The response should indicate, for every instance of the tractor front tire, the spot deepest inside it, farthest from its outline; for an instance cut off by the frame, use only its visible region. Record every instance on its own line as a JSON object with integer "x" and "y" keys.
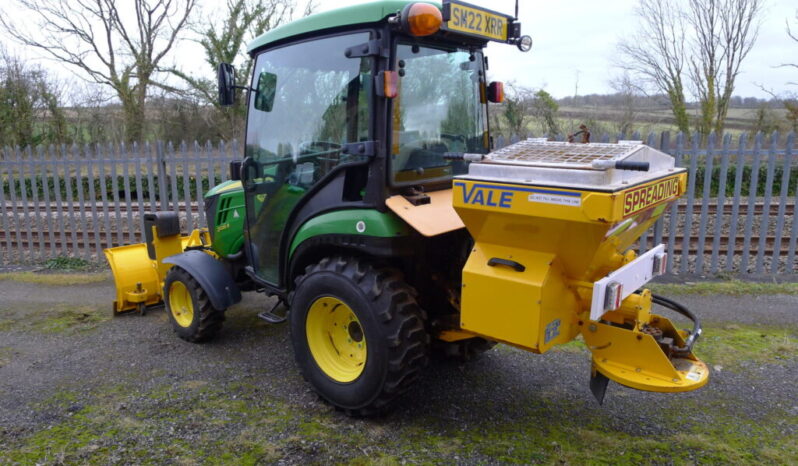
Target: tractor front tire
{"x": 358, "y": 334}
{"x": 191, "y": 313}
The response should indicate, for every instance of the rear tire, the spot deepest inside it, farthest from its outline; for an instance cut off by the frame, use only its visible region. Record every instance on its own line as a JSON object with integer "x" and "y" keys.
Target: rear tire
{"x": 380, "y": 311}
{"x": 191, "y": 313}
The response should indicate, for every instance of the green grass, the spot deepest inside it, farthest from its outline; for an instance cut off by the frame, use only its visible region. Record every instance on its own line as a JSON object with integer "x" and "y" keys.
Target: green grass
{"x": 66, "y": 263}
{"x": 732, "y": 346}
{"x": 732, "y": 288}
{"x": 56, "y": 279}
{"x": 52, "y": 319}
{"x": 72, "y": 319}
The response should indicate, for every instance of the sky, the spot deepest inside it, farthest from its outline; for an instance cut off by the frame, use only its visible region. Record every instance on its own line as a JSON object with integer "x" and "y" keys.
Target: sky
{"x": 574, "y": 46}
{"x": 576, "y": 40}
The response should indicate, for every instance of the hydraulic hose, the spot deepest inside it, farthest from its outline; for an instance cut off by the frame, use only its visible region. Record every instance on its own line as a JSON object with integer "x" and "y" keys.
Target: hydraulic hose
{"x": 674, "y": 306}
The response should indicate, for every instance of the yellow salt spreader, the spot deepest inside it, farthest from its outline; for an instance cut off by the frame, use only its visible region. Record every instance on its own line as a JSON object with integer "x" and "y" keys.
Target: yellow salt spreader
{"x": 553, "y": 224}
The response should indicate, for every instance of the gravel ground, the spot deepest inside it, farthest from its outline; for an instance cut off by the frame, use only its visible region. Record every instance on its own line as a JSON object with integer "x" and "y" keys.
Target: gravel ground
{"x": 77, "y": 386}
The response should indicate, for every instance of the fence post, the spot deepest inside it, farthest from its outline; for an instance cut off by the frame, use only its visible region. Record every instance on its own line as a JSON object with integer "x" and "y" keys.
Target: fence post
{"x": 738, "y": 181}
{"x": 709, "y": 159}
{"x": 721, "y": 202}
{"x": 6, "y": 253}
{"x": 749, "y": 216}
{"x": 677, "y": 155}
{"x": 688, "y": 216}
{"x": 765, "y": 219}
{"x": 160, "y": 161}
{"x": 785, "y": 186}
{"x": 794, "y": 233}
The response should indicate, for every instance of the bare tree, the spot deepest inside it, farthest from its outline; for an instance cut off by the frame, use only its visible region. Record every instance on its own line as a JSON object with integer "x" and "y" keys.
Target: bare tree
{"x": 627, "y": 105}
{"x": 96, "y": 39}
{"x": 517, "y": 109}
{"x": 31, "y": 110}
{"x": 716, "y": 35}
{"x": 723, "y": 33}
{"x": 656, "y": 53}
{"x": 794, "y": 36}
{"x": 224, "y": 41}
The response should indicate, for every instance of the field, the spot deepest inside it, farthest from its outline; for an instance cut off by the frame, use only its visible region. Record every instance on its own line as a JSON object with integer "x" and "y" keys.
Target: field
{"x": 605, "y": 119}
{"x": 80, "y": 387}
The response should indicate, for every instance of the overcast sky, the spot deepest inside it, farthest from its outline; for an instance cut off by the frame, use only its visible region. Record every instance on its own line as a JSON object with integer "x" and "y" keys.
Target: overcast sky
{"x": 579, "y": 37}
{"x": 573, "y": 40}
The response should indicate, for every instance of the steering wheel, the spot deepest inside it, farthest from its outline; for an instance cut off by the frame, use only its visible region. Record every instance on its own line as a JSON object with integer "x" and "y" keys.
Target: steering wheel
{"x": 318, "y": 146}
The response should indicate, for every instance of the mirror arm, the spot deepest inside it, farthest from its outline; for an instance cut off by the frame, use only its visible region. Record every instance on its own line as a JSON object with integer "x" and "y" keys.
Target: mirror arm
{"x": 245, "y": 88}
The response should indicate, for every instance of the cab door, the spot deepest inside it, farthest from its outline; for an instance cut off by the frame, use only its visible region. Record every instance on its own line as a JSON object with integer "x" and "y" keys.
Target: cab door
{"x": 310, "y": 100}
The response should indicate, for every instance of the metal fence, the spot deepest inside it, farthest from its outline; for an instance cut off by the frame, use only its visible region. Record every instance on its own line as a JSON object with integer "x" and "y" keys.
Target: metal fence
{"x": 738, "y": 215}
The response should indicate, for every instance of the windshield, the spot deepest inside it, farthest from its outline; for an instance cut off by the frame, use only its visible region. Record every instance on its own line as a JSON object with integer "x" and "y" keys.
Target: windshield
{"x": 438, "y": 110}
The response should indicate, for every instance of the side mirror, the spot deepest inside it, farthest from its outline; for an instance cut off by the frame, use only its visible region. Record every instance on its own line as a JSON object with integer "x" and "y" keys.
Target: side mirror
{"x": 226, "y": 77}
{"x": 235, "y": 170}
{"x": 267, "y": 88}
{"x": 496, "y": 92}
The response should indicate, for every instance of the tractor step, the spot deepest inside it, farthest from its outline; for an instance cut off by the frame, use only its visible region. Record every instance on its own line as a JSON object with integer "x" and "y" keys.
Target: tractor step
{"x": 271, "y": 317}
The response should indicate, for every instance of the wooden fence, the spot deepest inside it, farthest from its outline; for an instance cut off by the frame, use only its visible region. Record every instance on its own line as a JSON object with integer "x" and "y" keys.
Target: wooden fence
{"x": 738, "y": 215}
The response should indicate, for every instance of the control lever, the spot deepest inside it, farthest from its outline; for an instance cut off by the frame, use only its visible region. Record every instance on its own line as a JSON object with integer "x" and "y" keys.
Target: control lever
{"x": 463, "y": 156}
{"x": 621, "y": 165}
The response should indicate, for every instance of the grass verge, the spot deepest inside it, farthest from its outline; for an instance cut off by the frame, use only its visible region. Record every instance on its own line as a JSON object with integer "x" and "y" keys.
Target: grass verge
{"x": 732, "y": 288}
{"x": 61, "y": 318}
{"x": 732, "y": 346}
{"x": 56, "y": 279}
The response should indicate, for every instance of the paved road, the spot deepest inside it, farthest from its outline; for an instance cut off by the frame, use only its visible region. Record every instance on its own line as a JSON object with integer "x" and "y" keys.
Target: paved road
{"x": 76, "y": 386}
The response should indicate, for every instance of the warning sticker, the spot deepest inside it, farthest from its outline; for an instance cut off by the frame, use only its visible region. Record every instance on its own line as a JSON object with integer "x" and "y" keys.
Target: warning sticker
{"x": 694, "y": 376}
{"x": 573, "y": 201}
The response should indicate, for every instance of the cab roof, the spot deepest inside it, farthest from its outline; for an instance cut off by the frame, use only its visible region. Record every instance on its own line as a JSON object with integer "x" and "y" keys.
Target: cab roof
{"x": 371, "y": 12}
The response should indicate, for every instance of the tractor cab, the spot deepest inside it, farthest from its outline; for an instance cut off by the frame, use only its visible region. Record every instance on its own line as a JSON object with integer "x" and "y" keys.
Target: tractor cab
{"x": 356, "y": 109}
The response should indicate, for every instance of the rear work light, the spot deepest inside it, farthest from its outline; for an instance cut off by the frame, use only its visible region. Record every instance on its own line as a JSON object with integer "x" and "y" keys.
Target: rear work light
{"x": 421, "y": 19}
{"x": 613, "y": 295}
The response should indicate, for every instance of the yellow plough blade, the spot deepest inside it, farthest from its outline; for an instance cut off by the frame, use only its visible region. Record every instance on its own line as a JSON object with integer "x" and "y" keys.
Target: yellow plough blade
{"x": 138, "y": 278}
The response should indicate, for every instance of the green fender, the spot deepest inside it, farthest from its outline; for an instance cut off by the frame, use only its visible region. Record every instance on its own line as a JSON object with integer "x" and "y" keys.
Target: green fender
{"x": 365, "y": 222}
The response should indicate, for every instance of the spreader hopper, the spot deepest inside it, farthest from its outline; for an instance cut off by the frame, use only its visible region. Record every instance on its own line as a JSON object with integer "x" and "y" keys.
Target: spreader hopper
{"x": 554, "y": 225}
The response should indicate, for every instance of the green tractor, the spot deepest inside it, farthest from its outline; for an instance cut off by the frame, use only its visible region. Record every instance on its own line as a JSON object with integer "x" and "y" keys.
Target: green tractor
{"x": 358, "y": 121}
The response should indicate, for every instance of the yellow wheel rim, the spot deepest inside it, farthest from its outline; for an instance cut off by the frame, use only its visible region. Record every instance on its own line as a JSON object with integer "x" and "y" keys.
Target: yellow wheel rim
{"x": 180, "y": 304}
{"x": 336, "y": 339}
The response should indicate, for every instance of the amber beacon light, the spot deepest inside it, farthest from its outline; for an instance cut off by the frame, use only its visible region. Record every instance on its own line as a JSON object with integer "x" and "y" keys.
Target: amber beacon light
{"x": 421, "y": 19}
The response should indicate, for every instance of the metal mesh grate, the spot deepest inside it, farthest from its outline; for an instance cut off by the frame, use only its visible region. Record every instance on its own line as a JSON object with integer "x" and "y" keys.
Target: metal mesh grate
{"x": 533, "y": 152}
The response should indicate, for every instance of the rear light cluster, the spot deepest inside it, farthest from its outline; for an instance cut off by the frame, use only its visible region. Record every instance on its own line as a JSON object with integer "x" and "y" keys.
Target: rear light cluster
{"x": 660, "y": 263}
{"x": 613, "y": 296}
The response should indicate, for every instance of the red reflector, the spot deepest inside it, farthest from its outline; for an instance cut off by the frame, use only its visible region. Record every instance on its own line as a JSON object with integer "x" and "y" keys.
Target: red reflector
{"x": 660, "y": 263}
{"x": 613, "y": 296}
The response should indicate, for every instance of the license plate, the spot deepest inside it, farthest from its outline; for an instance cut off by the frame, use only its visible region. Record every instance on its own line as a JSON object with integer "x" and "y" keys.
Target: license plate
{"x": 475, "y": 21}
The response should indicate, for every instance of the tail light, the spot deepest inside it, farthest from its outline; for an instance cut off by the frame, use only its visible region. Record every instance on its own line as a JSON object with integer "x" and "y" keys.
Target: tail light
{"x": 613, "y": 296}
{"x": 496, "y": 92}
{"x": 660, "y": 263}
